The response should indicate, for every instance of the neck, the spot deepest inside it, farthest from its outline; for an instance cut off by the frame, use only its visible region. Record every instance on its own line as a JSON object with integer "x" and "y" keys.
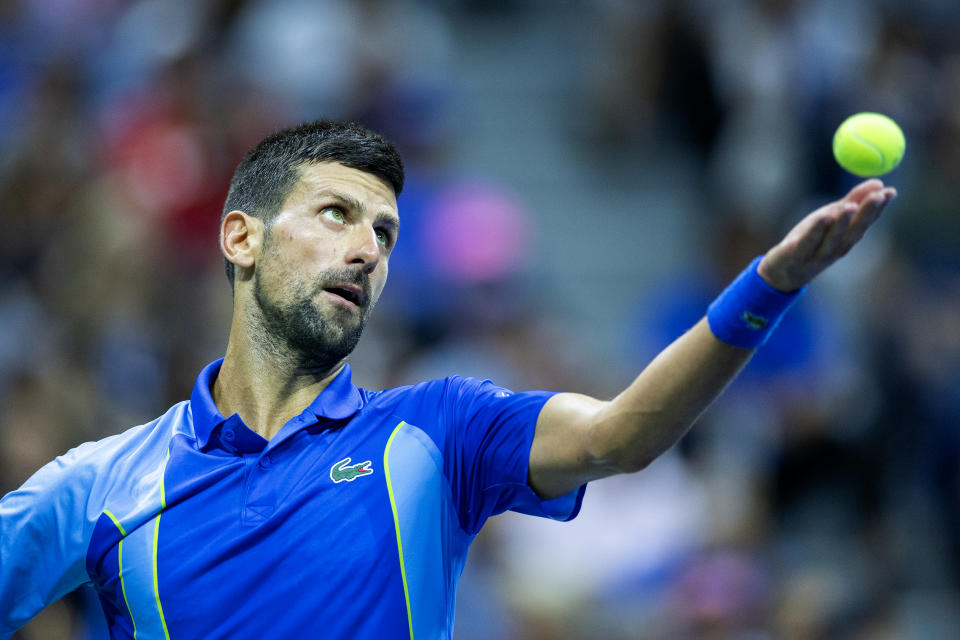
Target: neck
{"x": 267, "y": 383}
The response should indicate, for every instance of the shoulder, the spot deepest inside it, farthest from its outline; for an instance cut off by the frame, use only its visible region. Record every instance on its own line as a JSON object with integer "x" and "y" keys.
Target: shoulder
{"x": 453, "y": 402}
{"x": 437, "y": 388}
{"x": 141, "y": 441}
{"x": 444, "y": 393}
{"x": 97, "y": 464}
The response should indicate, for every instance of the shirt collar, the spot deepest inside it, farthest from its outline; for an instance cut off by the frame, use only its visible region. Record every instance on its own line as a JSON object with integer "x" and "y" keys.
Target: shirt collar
{"x": 338, "y": 401}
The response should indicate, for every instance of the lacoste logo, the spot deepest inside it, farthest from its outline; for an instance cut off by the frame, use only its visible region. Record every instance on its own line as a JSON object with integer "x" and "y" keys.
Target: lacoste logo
{"x": 344, "y": 471}
{"x": 753, "y": 321}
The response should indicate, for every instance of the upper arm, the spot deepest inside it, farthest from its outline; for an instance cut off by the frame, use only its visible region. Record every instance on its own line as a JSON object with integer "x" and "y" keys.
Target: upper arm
{"x": 42, "y": 543}
{"x": 579, "y": 438}
{"x": 485, "y": 433}
{"x": 563, "y": 454}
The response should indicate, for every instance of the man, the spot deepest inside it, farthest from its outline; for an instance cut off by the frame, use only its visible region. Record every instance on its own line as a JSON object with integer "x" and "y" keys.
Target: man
{"x": 281, "y": 501}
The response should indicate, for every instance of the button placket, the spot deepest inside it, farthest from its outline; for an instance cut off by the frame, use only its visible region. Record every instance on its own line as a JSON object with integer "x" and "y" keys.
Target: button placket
{"x": 228, "y": 437}
{"x": 258, "y": 505}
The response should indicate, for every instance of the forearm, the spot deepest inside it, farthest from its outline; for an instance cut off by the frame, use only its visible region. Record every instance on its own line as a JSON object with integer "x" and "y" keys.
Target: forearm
{"x": 625, "y": 434}
{"x": 579, "y": 438}
{"x": 665, "y": 400}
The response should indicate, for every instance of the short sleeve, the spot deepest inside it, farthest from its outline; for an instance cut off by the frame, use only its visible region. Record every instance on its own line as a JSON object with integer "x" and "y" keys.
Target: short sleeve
{"x": 489, "y": 434}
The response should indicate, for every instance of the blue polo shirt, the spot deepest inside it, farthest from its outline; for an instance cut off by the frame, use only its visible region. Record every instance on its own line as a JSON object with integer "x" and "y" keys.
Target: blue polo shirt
{"x": 352, "y": 522}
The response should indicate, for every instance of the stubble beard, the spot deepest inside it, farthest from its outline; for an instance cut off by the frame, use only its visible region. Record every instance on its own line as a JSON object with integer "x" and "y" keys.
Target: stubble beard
{"x": 301, "y": 330}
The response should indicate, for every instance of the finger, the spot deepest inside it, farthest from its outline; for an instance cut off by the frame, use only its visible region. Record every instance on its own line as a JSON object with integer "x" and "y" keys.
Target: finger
{"x": 813, "y": 221}
{"x": 862, "y": 190}
{"x": 810, "y": 234}
{"x": 833, "y": 239}
{"x": 871, "y": 209}
{"x": 868, "y": 214}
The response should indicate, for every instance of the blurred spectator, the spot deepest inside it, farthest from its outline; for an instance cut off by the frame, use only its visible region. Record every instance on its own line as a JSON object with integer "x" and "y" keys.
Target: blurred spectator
{"x": 820, "y": 498}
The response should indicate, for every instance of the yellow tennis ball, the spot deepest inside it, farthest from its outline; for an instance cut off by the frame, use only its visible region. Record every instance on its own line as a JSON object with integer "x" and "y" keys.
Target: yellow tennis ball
{"x": 868, "y": 144}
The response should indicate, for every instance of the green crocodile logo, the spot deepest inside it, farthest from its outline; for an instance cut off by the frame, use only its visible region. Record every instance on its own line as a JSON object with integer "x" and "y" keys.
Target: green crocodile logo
{"x": 753, "y": 321}
{"x": 343, "y": 471}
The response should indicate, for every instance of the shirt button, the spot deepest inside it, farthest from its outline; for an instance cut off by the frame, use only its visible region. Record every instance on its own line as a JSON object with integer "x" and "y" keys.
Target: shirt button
{"x": 266, "y": 462}
{"x": 229, "y": 435}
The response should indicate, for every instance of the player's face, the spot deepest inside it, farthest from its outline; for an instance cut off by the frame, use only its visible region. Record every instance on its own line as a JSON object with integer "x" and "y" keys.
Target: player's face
{"x": 324, "y": 260}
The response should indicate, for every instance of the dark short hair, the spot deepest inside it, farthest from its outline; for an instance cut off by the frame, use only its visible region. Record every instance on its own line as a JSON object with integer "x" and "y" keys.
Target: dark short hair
{"x": 268, "y": 172}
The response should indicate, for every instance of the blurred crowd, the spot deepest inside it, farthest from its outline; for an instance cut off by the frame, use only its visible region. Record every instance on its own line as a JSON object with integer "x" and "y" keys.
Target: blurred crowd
{"x": 583, "y": 178}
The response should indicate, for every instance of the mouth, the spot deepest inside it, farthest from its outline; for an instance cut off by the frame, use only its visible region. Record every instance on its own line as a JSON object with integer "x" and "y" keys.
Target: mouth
{"x": 348, "y": 293}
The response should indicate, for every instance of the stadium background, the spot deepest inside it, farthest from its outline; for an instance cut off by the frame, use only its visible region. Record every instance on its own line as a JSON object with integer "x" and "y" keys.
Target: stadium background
{"x": 583, "y": 178}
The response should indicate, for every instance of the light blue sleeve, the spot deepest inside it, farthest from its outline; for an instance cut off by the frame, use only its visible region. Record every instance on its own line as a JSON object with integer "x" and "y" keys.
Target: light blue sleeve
{"x": 44, "y": 534}
{"x": 47, "y": 524}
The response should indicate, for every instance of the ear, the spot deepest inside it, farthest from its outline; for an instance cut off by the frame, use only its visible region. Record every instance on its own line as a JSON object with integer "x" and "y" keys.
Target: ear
{"x": 241, "y": 237}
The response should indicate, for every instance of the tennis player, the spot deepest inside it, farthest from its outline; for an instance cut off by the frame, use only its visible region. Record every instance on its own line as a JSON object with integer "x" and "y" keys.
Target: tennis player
{"x": 280, "y": 500}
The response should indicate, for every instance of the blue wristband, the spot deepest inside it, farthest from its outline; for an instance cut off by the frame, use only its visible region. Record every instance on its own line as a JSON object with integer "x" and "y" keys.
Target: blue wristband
{"x": 748, "y": 311}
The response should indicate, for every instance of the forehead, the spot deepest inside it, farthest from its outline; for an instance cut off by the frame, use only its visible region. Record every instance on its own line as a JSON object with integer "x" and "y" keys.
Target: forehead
{"x": 324, "y": 179}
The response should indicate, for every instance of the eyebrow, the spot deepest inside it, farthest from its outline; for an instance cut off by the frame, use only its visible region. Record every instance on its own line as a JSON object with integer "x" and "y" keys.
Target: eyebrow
{"x": 383, "y": 218}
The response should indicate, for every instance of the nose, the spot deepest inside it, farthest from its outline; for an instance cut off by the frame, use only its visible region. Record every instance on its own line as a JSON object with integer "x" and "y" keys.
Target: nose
{"x": 364, "y": 248}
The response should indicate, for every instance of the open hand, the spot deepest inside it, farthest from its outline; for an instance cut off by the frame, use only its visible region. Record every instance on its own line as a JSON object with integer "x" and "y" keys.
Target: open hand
{"x": 824, "y": 236}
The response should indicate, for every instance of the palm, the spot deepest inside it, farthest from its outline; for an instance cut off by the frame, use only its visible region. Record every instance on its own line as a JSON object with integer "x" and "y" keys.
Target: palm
{"x": 824, "y": 236}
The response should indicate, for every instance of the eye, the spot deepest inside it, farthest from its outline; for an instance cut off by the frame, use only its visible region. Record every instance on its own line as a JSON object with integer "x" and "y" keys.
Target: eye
{"x": 334, "y": 213}
{"x": 386, "y": 236}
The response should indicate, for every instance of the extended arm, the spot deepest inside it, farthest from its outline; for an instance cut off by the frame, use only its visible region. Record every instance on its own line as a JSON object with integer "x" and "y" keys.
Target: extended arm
{"x": 579, "y": 438}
